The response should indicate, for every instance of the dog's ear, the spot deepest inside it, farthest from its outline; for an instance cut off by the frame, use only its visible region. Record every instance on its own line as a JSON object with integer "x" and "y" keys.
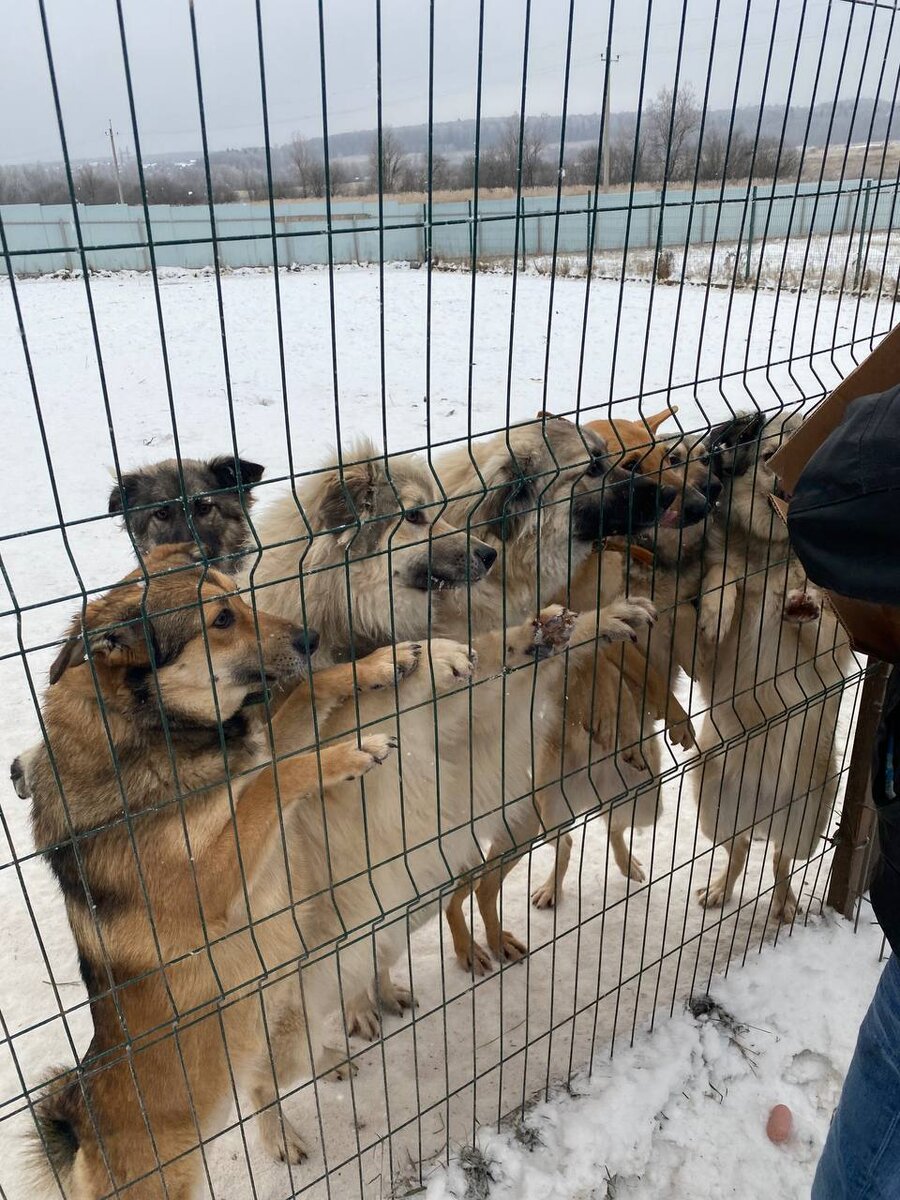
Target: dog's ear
{"x": 123, "y": 494}
{"x": 119, "y": 640}
{"x": 229, "y": 472}
{"x": 511, "y": 494}
{"x": 350, "y": 498}
{"x": 653, "y": 423}
{"x": 733, "y": 444}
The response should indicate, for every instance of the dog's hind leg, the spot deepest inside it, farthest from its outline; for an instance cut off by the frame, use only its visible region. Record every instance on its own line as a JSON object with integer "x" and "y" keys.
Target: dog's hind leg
{"x": 473, "y": 959}
{"x": 719, "y": 890}
{"x": 630, "y": 866}
{"x": 504, "y": 946}
{"x": 549, "y": 893}
{"x": 784, "y": 905}
{"x": 285, "y": 1056}
{"x": 363, "y": 1012}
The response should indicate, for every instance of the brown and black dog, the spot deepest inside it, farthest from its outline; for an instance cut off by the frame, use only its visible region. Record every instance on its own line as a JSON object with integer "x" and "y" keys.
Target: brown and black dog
{"x": 603, "y": 749}
{"x": 200, "y": 501}
{"x": 156, "y": 800}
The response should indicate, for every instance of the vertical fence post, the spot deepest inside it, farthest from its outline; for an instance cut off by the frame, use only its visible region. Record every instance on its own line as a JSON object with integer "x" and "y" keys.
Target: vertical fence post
{"x": 424, "y": 241}
{"x": 471, "y": 229}
{"x": 144, "y": 238}
{"x": 650, "y": 207}
{"x": 64, "y": 241}
{"x": 750, "y": 235}
{"x": 522, "y": 209}
{"x": 587, "y": 232}
{"x": 857, "y": 270}
{"x": 854, "y": 832}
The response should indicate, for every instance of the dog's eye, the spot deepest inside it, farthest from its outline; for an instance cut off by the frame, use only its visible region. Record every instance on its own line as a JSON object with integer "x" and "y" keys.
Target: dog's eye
{"x": 224, "y": 619}
{"x": 597, "y": 468}
{"x": 163, "y": 514}
{"x": 415, "y": 516}
{"x": 675, "y": 458}
{"x": 202, "y": 508}
{"x": 633, "y": 464}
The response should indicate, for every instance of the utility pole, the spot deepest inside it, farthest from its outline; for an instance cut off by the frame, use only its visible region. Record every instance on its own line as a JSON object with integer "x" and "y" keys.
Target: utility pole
{"x": 112, "y": 142}
{"x": 607, "y": 57}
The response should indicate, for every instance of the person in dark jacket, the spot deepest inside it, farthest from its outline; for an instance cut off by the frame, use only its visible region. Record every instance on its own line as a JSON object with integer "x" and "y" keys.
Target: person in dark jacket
{"x": 843, "y": 520}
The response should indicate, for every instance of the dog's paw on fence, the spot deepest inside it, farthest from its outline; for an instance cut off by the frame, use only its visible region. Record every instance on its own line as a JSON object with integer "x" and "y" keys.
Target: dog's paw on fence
{"x": 621, "y": 620}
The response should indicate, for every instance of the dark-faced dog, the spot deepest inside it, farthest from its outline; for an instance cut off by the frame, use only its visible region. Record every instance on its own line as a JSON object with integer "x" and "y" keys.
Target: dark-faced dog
{"x": 205, "y": 502}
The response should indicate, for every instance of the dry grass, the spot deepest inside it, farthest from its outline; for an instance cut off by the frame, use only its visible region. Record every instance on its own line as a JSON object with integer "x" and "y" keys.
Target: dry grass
{"x": 863, "y": 162}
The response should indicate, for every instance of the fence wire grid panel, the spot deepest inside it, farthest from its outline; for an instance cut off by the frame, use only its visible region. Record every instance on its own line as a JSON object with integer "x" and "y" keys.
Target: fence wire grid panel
{"x": 408, "y": 687}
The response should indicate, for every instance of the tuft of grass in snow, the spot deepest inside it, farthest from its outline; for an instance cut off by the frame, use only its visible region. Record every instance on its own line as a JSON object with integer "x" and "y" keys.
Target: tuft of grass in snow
{"x": 705, "y": 1008}
{"x": 527, "y": 1135}
{"x": 477, "y": 1171}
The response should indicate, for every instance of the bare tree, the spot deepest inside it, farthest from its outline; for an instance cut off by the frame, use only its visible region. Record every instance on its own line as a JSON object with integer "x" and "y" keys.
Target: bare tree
{"x": 339, "y": 175}
{"x": 500, "y": 166}
{"x": 713, "y": 153}
{"x": 440, "y": 173}
{"x": 87, "y": 180}
{"x": 12, "y": 186}
{"x": 583, "y": 168}
{"x": 309, "y": 166}
{"x": 391, "y": 159}
{"x": 670, "y": 122}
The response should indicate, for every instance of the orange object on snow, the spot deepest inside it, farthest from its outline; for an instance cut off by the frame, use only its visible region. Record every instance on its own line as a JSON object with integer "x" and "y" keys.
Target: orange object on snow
{"x": 780, "y": 1124}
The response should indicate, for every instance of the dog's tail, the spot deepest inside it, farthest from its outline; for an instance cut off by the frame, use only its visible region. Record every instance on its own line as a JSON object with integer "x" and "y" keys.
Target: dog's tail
{"x": 61, "y": 1120}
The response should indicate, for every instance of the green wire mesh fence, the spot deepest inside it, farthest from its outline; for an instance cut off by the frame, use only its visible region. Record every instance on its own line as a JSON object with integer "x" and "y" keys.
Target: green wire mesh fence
{"x": 266, "y": 796}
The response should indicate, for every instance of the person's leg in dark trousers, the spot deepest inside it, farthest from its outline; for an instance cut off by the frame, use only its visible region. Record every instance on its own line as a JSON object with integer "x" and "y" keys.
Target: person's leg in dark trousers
{"x": 861, "y": 1159}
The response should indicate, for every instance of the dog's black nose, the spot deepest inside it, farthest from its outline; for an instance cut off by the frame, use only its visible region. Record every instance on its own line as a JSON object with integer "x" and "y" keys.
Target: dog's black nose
{"x": 486, "y": 555}
{"x": 693, "y": 509}
{"x": 306, "y": 641}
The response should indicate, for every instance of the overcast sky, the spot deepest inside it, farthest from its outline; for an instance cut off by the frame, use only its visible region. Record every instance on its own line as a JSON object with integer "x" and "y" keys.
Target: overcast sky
{"x": 87, "y": 53}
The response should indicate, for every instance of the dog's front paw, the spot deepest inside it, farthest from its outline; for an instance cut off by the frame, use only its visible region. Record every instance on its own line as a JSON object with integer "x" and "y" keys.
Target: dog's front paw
{"x": 801, "y": 607}
{"x": 622, "y": 620}
{"x": 717, "y": 613}
{"x": 451, "y": 662}
{"x": 681, "y": 733}
{"x": 389, "y": 665}
{"x": 603, "y": 736}
{"x": 553, "y": 628}
{"x": 371, "y": 752}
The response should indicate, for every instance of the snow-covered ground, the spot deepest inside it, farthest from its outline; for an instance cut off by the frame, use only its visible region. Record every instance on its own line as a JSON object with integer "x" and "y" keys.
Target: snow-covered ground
{"x": 682, "y": 1112}
{"x": 842, "y": 262}
{"x": 611, "y": 954}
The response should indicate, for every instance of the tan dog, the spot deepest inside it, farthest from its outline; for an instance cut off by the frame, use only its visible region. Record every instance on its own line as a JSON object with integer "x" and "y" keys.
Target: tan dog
{"x": 600, "y": 747}
{"x": 535, "y": 495}
{"x": 772, "y": 659}
{"x": 461, "y": 771}
{"x": 155, "y": 810}
{"x": 367, "y": 553}
{"x": 666, "y": 566}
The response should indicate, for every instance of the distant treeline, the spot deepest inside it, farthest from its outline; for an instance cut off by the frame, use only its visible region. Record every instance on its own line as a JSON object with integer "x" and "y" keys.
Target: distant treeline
{"x": 670, "y": 140}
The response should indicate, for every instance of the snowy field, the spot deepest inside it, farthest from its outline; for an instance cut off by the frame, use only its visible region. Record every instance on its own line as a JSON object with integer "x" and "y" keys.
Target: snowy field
{"x": 843, "y": 262}
{"x": 610, "y": 955}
